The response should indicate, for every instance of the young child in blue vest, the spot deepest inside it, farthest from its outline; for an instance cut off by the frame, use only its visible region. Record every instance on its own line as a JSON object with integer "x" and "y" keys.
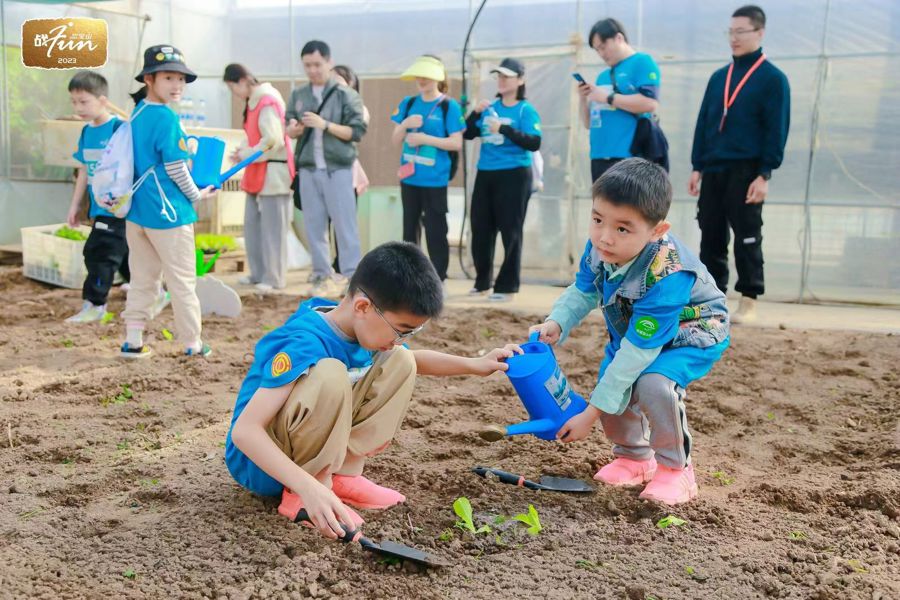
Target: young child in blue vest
{"x": 160, "y": 227}
{"x": 331, "y": 386}
{"x": 667, "y": 324}
{"x": 105, "y": 252}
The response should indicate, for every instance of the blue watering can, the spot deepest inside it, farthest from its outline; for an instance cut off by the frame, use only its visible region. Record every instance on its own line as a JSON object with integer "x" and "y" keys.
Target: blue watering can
{"x": 208, "y": 160}
{"x": 543, "y": 389}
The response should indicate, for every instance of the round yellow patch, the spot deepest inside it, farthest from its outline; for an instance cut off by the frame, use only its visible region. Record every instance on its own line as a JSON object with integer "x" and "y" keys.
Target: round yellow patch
{"x": 182, "y": 145}
{"x": 281, "y": 364}
{"x": 160, "y": 56}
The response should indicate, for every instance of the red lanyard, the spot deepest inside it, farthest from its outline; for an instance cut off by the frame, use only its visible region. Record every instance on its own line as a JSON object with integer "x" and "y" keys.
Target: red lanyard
{"x": 726, "y": 103}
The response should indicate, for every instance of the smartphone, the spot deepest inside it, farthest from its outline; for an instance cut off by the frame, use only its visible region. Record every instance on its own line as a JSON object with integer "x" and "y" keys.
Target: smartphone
{"x": 579, "y": 78}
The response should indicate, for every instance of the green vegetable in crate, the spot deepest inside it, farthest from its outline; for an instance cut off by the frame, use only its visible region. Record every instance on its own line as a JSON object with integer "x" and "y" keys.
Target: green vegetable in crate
{"x": 210, "y": 243}
{"x": 70, "y": 234}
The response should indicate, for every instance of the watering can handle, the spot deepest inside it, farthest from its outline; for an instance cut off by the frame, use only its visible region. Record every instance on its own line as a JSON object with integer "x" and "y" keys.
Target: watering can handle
{"x": 192, "y": 137}
{"x": 535, "y": 336}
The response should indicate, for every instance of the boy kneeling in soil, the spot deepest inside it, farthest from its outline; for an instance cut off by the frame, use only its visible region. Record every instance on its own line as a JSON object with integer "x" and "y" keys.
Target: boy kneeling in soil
{"x": 331, "y": 386}
{"x": 667, "y": 324}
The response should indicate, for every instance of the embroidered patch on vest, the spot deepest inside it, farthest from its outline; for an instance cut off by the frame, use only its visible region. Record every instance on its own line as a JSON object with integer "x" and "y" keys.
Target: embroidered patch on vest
{"x": 646, "y": 327}
{"x": 281, "y": 364}
{"x": 664, "y": 263}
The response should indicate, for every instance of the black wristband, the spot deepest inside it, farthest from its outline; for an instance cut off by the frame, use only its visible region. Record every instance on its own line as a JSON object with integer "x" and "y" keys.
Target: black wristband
{"x": 609, "y": 99}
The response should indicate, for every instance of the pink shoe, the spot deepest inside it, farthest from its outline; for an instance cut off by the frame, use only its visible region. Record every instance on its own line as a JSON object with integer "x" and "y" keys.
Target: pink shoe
{"x": 625, "y": 471}
{"x": 291, "y": 504}
{"x": 671, "y": 486}
{"x": 362, "y": 493}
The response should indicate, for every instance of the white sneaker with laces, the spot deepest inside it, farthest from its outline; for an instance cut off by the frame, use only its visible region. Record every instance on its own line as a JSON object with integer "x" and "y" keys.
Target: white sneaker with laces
{"x": 89, "y": 313}
{"x": 498, "y": 297}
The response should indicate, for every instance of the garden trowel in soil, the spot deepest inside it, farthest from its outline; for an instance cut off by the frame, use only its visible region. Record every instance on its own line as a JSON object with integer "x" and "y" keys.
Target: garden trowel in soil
{"x": 546, "y": 482}
{"x": 385, "y": 548}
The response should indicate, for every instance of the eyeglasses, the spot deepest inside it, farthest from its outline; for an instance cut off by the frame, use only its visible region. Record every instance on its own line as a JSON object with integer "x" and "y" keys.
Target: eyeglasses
{"x": 739, "y": 32}
{"x": 400, "y": 335}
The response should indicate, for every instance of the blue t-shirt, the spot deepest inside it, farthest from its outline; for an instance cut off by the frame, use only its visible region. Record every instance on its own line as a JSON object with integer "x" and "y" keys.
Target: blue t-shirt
{"x": 281, "y": 357}
{"x": 654, "y": 323}
{"x": 497, "y": 152}
{"x": 432, "y": 164}
{"x": 158, "y": 138}
{"x": 612, "y": 130}
{"x": 91, "y": 143}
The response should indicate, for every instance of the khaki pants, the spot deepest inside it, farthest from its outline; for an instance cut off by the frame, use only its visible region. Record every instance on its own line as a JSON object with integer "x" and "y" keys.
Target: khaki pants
{"x": 168, "y": 253}
{"x": 328, "y": 426}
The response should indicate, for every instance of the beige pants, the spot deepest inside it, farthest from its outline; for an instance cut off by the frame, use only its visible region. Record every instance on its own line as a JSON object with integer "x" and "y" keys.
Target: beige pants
{"x": 168, "y": 253}
{"x": 328, "y": 426}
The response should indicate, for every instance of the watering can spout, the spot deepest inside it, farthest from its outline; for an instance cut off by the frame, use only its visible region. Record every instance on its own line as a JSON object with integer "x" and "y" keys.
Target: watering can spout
{"x": 208, "y": 159}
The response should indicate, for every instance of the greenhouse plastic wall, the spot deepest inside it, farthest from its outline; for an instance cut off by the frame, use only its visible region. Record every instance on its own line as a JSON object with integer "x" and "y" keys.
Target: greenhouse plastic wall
{"x": 832, "y": 221}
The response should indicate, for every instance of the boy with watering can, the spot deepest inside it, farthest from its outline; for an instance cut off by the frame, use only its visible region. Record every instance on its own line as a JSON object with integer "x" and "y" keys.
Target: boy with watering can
{"x": 330, "y": 387}
{"x": 667, "y": 324}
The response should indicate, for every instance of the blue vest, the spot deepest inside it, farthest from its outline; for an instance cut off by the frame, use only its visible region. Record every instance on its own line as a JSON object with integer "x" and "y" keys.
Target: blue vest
{"x": 704, "y": 322}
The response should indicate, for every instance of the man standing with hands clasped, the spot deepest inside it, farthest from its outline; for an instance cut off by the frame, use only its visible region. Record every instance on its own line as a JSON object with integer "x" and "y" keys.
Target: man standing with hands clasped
{"x": 738, "y": 141}
{"x": 328, "y": 120}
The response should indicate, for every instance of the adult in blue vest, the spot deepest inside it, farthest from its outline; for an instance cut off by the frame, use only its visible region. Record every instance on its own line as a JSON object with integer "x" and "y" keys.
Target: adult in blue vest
{"x": 510, "y": 131}
{"x": 622, "y": 94}
{"x": 738, "y": 141}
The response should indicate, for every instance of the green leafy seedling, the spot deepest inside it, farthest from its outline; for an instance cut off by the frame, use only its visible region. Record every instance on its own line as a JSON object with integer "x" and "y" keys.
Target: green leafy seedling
{"x": 797, "y": 535}
{"x": 463, "y": 509}
{"x": 123, "y": 445}
{"x": 670, "y": 521}
{"x": 66, "y": 343}
{"x": 723, "y": 477}
{"x": 389, "y": 560}
{"x": 770, "y": 416}
{"x": 167, "y": 334}
{"x": 129, "y": 574}
{"x": 531, "y": 519}
{"x": 446, "y": 535}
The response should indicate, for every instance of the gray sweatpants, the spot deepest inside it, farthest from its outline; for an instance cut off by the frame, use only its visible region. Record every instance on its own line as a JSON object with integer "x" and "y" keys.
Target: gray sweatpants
{"x": 654, "y": 423}
{"x": 267, "y": 220}
{"x": 327, "y": 195}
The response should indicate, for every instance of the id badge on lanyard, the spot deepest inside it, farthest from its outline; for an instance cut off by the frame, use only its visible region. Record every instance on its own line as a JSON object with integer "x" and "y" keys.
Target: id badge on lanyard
{"x": 727, "y": 102}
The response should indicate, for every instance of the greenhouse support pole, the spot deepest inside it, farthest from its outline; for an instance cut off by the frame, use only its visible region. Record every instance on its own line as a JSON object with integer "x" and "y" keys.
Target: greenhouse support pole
{"x": 5, "y": 135}
{"x": 806, "y": 244}
{"x": 291, "y": 34}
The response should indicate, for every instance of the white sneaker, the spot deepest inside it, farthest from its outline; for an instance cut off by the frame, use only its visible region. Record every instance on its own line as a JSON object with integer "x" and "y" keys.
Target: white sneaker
{"x": 88, "y": 314}
{"x": 498, "y": 297}
{"x": 263, "y": 288}
{"x": 477, "y": 292}
{"x": 746, "y": 312}
{"x": 162, "y": 301}
{"x": 325, "y": 287}
{"x": 245, "y": 280}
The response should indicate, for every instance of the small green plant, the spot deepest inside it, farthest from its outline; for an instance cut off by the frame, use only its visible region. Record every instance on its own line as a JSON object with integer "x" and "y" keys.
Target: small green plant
{"x": 267, "y": 328}
{"x": 463, "y": 509}
{"x": 670, "y": 521}
{"x": 446, "y": 535}
{"x": 770, "y": 416}
{"x": 167, "y": 334}
{"x": 797, "y": 535}
{"x": 587, "y": 565}
{"x": 121, "y": 398}
{"x": 129, "y": 574}
{"x": 123, "y": 445}
{"x": 66, "y": 343}
{"x": 723, "y": 477}
{"x": 68, "y": 461}
{"x": 531, "y": 519}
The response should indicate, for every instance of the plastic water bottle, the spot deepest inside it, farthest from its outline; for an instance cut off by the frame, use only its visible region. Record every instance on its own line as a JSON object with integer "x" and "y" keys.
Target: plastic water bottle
{"x": 490, "y": 116}
{"x": 187, "y": 112}
{"x": 201, "y": 113}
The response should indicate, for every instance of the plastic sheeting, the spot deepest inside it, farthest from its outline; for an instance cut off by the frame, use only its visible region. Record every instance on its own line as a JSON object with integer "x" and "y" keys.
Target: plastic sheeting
{"x": 833, "y": 217}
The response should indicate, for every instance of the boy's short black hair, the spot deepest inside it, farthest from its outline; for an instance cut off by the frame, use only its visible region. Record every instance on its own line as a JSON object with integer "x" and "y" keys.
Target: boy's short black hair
{"x": 756, "y": 15}
{"x": 606, "y": 29}
{"x": 638, "y": 183}
{"x": 313, "y": 46}
{"x": 398, "y": 277}
{"x": 90, "y": 82}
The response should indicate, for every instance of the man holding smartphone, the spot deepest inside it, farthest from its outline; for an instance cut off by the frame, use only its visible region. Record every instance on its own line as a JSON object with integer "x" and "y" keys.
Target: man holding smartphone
{"x": 629, "y": 88}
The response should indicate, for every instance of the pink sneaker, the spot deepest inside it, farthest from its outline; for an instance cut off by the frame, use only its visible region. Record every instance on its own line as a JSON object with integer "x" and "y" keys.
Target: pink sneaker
{"x": 291, "y": 504}
{"x": 671, "y": 486}
{"x": 362, "y": 493}
{"x": 625, "y": 471}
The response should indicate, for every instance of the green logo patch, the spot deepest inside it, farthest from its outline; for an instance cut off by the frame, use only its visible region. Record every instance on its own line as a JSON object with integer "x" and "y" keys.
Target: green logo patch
{"x": 646, "y": 327}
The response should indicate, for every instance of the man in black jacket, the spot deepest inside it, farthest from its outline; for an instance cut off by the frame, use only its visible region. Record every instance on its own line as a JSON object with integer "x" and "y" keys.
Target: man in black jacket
{"x": 738, "y": 141}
